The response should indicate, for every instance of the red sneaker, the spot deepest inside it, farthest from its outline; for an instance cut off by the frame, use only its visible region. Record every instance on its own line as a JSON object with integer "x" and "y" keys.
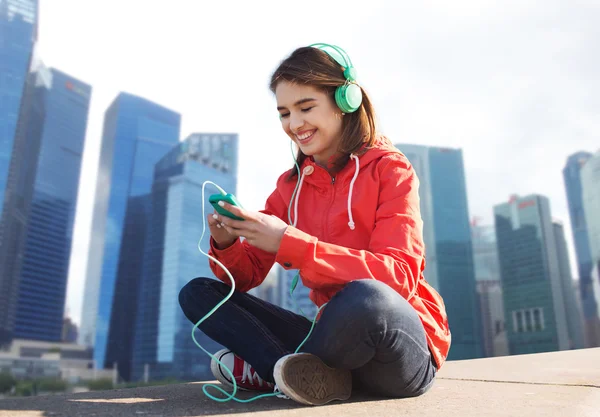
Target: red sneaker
{"x": 245, "y": 376}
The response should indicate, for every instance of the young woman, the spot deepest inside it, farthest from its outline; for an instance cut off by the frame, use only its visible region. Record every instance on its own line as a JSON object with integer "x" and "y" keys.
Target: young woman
{"x": 349, "y": 221}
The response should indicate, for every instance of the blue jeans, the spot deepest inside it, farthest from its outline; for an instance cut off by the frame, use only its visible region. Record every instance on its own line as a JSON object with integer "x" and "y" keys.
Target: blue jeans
{"x": 367, "y": 328}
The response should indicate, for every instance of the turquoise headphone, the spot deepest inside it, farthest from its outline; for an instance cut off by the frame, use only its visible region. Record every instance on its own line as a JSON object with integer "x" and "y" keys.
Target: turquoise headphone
{"x": 348, "y": 97}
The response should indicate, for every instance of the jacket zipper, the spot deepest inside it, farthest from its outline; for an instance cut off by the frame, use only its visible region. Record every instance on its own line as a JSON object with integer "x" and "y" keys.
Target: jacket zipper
{"x": 326, "y": 231}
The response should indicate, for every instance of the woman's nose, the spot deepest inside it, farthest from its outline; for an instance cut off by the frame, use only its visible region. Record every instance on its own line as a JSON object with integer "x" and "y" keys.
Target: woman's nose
{"x": 296, "y": 122}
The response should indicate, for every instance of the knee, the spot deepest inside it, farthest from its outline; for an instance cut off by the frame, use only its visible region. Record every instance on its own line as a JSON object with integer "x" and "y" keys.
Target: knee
{"x": 372, "y": 292}
{"x": 371, "y": 299}
{"x": 191, "y": 290}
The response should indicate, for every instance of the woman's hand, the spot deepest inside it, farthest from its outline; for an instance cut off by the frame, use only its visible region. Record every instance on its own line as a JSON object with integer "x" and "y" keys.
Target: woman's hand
{"x": 260, "y": 230}
{"x": 223, "y": 239}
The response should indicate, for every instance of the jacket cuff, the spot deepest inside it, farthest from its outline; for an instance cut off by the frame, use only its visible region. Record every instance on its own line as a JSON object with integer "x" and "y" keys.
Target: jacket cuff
{"x": 228, "y": 253}
{"x": 293, "y": 248}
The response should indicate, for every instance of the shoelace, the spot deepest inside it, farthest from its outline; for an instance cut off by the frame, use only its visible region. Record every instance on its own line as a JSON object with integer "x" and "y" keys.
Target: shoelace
{"x": 249, "y": 375}
{"x": 280, "y": 395}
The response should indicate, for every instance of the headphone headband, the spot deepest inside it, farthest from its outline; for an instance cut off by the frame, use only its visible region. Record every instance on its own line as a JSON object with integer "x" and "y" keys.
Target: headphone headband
{"x": 348, "y": 97}
{"x": 345, "y": 58}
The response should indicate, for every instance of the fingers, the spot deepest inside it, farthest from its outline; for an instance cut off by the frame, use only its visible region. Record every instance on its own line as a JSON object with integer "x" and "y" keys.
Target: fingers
{"x": 238, "y": 211}
{"x": 211, "y": 220}
{"x": 231, "y": 223}
{"x": 238, "y": 228}
{"x": 215, "y": 221}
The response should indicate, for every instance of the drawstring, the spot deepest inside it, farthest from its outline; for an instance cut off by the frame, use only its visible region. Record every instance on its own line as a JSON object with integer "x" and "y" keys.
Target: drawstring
{"x": 298, "y": 197}
{"x": 351, "y": 222}
{"x": 307, "y": 171}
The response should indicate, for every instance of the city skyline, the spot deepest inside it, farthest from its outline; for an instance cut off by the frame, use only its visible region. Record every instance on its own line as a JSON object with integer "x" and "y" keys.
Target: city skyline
{"x": 537, "y": 110}
{"x": 138, "y": 200}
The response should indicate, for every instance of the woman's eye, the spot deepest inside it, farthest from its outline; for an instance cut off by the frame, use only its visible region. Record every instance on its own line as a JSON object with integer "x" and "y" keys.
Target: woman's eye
{"x": 307, "y": 109}
{"x": 281, "y": 116}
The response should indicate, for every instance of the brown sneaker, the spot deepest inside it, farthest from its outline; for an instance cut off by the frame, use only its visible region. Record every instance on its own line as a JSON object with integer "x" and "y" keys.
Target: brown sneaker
{"x": 304, "y": 378}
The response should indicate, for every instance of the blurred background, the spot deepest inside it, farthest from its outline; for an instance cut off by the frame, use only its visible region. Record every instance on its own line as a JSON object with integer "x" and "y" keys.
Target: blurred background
{"x": 113, "y": 114}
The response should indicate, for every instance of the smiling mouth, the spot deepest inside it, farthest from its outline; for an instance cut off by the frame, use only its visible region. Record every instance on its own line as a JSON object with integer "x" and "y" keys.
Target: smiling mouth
{"x": 305, "y": 137}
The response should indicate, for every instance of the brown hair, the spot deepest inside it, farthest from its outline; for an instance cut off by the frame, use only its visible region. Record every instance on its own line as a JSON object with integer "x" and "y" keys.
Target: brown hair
{"x": 312, "y": 66}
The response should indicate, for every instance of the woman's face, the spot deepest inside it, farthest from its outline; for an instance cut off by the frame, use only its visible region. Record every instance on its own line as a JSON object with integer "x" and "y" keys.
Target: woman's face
{"x": 311, "y": 119}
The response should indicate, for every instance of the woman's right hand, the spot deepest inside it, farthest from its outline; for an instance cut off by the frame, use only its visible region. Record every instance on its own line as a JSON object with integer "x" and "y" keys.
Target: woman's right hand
{"x": 223, "y": 239}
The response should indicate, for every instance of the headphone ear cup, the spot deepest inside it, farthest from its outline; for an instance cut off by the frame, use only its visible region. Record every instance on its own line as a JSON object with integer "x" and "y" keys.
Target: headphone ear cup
{"x": 348, "y": 97}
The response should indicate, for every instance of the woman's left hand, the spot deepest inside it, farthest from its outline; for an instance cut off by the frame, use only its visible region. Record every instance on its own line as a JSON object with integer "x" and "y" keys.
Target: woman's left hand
{"x": 260, "y": 230}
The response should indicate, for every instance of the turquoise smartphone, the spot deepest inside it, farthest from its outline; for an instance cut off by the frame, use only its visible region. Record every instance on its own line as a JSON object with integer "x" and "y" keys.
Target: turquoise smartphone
{"x": 228, "y": 198}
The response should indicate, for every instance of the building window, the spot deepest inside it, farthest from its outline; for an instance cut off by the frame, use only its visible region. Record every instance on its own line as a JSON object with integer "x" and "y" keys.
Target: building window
{"x": 537, "y": 320}
{"x": 519, "y": 319}
{"x": 528, "y": 320}
{"x": 539, "y": 323}
{"x": 528, "y": 324}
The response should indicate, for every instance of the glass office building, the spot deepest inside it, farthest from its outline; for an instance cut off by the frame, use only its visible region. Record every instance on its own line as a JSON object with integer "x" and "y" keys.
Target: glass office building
{"x": 590, "y": 180}
{"x": 573, "y": 315}
{"x": 590, "y": 184}
{"x": 18, "y": 33}
{"x": 64, "y": 104}
{"x": 579, "y": 228}
{"x": 164, "y": 347}
{"x": 137, "y": 134}
{"x": 534, "y": 299}
{"x": 489, "y": 290}
{"x": 448, "y": 246}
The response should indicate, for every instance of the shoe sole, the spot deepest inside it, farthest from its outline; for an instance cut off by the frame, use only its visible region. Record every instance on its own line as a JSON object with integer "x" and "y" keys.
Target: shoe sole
{"x": 306, "y": 379}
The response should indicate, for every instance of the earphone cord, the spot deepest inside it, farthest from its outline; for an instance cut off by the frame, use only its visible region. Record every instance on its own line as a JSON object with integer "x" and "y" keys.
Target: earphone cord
{"x": 293, "y": 286}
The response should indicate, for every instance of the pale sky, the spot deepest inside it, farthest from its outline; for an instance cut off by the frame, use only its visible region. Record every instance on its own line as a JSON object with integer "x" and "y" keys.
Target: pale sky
{"x": 513, "y": 83}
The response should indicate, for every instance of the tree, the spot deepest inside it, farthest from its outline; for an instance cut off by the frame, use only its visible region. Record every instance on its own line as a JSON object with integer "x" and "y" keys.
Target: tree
{"x": 7, "y": 381}
{"x": 100, "y": 385}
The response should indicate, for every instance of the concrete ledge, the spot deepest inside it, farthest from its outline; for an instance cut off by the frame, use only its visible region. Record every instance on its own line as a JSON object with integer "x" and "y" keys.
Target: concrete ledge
{"x": 549, "y": 384}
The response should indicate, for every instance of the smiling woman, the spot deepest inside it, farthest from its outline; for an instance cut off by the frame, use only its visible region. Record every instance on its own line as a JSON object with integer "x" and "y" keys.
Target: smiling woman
{"x": 318, "y": 98}
{"x": 356, "y": 238}
{"x": 309, "y": 122}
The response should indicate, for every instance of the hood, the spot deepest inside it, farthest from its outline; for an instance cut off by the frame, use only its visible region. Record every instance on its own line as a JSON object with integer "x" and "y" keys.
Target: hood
{"x": 381, "y": 147}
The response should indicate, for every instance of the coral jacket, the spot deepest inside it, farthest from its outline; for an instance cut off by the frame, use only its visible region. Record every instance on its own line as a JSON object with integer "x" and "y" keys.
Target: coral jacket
{"x": 364, "y": 223}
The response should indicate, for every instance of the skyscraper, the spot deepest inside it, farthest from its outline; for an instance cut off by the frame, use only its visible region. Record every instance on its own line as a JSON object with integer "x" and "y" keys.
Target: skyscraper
{"x": 164, "y": 347}
{"x": 64, "y": 103}
{"x": 574, "y": 190}
{"x": 594, "y": 325}
{"x": 489, "y": 290}
{"x": 531, "y": 283}
{"x": 137, "y": 134}
{"x": 590, "y": 184}
{"x": 574, "y": 319}
{"x": 448, "y": 245}
{"x": 18, "y": 33}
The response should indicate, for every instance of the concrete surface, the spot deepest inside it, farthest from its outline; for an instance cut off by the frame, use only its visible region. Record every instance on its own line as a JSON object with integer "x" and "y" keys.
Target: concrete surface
{"x": 573, "y": 367}
{"x": 551, "y": 384}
